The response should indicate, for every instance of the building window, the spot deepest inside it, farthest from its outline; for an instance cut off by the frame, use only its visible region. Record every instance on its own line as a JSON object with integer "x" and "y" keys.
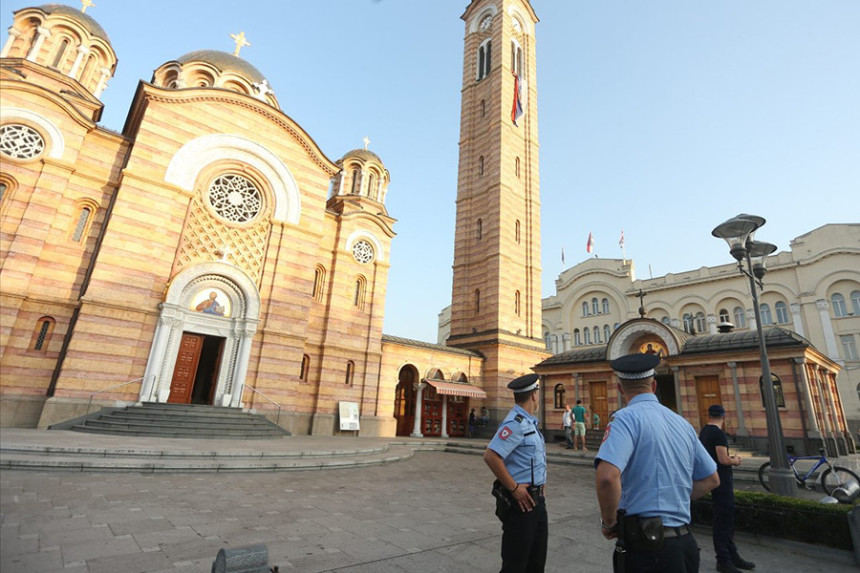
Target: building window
{"x": 724, "y": 316}
{"x": 766, "y": 317}
{"x": 477, "y": 301}
{"x": 480, "y": 229}
{"x": 362, "y": 251}
{"x": 81, "y": 226}
{"x": 356, "y": 182}
{"x": 358, "y": 301}
{"x": 781, "y": 312}
{"x": 517, "y": 303}
{"x": 688, "y": 323}
{"x": 594, "y": 308}
{"x": 558, "y": 394}
{"x": 700, "y": 322}
{"x": 517, "y": 231}
{"x": 306, "y": 365}
{"x": 605, "y": 306}
{"x": 483, "y": 108}
{"x": 484, "y": 59}
{"x": 319, "y": 281}
{"x": 777, "y": 390}
{"x": 546, "y": 340}
{"x": 597, "y": 335}
{"x": 607, "y": 332}
{"x": 517, "y": 167}
{"x": 666, "y": 320}
{"x": 350, "y": 372}
{"x": 740, "y": 317}
{"x": 371, "y": 186}
{"x": 20, "y": 141}
{"x": 42, "y": 334}
{"x": 587, "y": 335}
{"x": 849, "y": 347}
{"x": 855, "y": 302}
{"x": 61, "y": 51}
{"x": 577, "y": 340}
{"x": 235, "y": 198}
{"x": 481, "y": 165}
{"x": 838, "y": 302}
{"x": 584, "y": 309}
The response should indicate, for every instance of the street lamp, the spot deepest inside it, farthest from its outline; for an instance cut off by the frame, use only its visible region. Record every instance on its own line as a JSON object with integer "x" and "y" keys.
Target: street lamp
{"x": 738, "y": 233}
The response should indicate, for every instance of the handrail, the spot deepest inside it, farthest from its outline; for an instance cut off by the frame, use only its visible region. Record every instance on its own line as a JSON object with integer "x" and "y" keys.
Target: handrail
{"x": 278, "y": 420}
{"x": 108, "y": 390}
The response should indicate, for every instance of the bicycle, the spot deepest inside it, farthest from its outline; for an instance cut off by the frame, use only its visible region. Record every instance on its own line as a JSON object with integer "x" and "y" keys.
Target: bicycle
{"x": 831, "y": 478}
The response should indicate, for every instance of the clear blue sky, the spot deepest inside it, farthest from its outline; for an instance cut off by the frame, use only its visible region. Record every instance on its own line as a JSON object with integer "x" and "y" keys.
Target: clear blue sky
{"x": 662, "y": 118}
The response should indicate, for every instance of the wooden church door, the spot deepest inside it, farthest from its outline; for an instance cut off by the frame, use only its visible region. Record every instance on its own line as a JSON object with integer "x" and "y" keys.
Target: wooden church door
{"x": 186, "y": 368}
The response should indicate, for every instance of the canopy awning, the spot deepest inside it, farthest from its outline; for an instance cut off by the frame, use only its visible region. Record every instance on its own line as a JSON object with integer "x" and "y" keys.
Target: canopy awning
{"x": 457, "y": 389}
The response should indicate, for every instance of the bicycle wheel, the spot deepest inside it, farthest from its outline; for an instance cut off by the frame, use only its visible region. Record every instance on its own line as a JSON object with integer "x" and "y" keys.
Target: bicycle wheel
{"x": 839, "y": 477}
{"x": 764, "y": 475}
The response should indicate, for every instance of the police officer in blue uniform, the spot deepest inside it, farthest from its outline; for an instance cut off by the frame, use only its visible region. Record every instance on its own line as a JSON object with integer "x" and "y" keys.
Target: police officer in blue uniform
{"x": 517, "y": 457}
{"x": 649, "y": 466}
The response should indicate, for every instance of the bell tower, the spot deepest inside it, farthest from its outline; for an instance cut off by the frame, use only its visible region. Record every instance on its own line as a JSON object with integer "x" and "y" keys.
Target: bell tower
{"x": 496, "y": 299}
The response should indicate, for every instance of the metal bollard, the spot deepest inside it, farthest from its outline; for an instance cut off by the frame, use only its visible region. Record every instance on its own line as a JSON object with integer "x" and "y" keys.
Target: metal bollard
{"x": 251, "y": 559}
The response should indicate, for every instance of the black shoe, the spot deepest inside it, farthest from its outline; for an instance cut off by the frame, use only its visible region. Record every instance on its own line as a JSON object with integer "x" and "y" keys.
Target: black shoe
{"x": 741, "y": 563}
{"x": 727, "y": 568}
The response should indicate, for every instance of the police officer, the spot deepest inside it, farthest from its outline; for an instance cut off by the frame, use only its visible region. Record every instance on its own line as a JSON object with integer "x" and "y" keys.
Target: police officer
{"x": 649, "y": 467}
{"x": 517, "y": 457}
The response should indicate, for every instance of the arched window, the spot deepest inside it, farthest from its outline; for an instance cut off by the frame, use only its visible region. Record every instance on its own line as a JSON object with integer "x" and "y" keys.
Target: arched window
{"x": 616, "y": 326}
{"x": 766, "y": 317}
{"x": 587, "y": 335}
{"x": 700, "y": 322}
{"x": 781, "y": 312}
{"x": 838, "y": 302}
{"x": 306, "y": 365}
{"x": 477, "y": 301}
{"x": 546, "y": 339}
{"x": 371, "y": 186}
{"x": 517, "y": 231}
{"x": 42, "y": 334}
{"x": 483, "y": 108}
{"x": 319, "y": 281}
{"x": 359, "y": 293}
{"x": 584, "y": 309}
{"x": 605, "y": 303}
{"x": 740, "y": 317}
{"x": 594, "y": 308}
{"x": 481, "y": 165}
{"x": 517, "y": 303}
{"x": 82, "y": 224}
{"x": 724, "y": 316}
{"x": 777, "y": 390}
{"x": 356, "y": 182}
{"x": 666, "y": 320}
{"x": 479, "y": 229}
{"x": 855, "y": 302}
{"x": 350, "y": 372}
{"x": 577, "y": 340}
{"x": 517, "y": 167}
{"x": 61, "y": 51}
{"x": 484, "y": 59}
{"x": 558, "y": 393}
{"x": 596, "y": 331}
{"x": 607, "y": 332}
{"x": 688, "y": 322}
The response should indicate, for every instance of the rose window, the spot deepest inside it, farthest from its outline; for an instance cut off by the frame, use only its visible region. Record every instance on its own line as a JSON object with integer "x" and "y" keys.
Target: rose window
{"x": 235, "y": 198}
{"x": 362, "y": 251}
{"x": 20, "y": 142}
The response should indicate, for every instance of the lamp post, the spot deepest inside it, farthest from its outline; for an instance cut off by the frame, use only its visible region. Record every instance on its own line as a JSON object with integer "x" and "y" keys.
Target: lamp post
{"x": 738, "y": 233}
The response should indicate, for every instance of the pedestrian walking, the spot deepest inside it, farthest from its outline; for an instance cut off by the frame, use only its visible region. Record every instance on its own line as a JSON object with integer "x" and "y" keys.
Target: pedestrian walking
{"x": 579, "y": 425}
{"x": 566, "y": 422}
{"x": 714, "y": 438}
{"x": 472, "y": 419}
{"x": 649, "y": 466}
{"x": 517, "y": 457}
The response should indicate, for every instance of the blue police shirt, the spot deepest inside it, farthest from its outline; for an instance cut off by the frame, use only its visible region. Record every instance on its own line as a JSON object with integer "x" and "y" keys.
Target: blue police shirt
{"x": 519, "y": 444}
{"x": 659, "y": 455}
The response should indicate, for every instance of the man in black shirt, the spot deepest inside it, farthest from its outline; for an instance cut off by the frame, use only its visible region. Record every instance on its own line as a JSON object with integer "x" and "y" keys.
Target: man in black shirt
{"x": 716, "y": 442}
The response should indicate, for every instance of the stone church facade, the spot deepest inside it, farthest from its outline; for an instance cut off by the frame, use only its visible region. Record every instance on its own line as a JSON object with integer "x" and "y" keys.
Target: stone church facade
{"x": 212, "y": 253}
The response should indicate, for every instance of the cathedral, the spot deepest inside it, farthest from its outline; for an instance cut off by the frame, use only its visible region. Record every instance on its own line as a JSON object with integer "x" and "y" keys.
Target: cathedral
{"x": 212, "y": 254}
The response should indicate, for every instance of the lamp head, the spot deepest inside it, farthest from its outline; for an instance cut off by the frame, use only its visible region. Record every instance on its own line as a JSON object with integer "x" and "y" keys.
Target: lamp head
{"x": 736, "y": 231}
{"x": 759, "y": 252}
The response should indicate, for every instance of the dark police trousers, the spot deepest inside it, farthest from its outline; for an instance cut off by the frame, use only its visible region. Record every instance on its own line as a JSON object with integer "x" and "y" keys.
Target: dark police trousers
{"x": 677, "y": 555}
{"x": 524, "y": 539}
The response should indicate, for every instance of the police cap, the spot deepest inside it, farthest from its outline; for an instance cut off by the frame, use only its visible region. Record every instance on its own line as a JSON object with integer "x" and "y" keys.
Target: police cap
{"x": 525, "y": 383}
{"x": 716, "y": 411}
{"x": 635, "y": 366}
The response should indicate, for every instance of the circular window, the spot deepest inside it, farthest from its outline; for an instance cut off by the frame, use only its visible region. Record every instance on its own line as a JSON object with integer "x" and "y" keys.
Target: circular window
{"x": 20, "y": 142}
{"x": 362, "y": 251}
{"x": 235, "y": 198}
{"x": 486, "y": 23}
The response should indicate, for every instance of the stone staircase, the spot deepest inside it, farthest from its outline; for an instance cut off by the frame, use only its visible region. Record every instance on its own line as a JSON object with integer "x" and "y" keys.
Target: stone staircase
{"x": 179, "y": 421}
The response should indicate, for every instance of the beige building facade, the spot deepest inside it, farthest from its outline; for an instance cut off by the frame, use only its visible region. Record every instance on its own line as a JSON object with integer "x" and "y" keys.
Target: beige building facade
{"x": 211, "y": 253}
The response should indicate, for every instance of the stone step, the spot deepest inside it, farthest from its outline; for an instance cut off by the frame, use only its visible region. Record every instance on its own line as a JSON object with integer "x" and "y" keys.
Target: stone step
{"x": 182, "y": 422}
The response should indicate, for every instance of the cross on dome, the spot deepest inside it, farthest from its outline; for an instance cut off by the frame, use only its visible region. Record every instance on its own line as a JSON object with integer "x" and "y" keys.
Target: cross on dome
{"x": 366, "y": 141}
{"x": 86, "y": 4}
{"x": 239, "y": 39}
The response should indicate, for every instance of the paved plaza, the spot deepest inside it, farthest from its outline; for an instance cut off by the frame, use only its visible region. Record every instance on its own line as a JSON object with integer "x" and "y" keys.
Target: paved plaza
{"x": 431, "y": 512}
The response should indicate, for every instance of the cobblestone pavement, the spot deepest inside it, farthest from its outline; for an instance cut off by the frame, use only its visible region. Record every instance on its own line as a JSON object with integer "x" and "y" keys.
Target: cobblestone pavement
{"x": 432, "y": 512}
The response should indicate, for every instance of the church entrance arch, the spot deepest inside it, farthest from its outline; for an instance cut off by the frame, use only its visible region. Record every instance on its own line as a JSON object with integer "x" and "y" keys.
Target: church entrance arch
{"x": 404, "y": 399}
{"x": 202, "y": 341}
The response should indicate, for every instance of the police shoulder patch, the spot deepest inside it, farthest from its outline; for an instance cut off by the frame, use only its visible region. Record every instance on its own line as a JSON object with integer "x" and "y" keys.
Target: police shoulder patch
{"x": 606, "y": 433}
{"x": 505, "y": 433}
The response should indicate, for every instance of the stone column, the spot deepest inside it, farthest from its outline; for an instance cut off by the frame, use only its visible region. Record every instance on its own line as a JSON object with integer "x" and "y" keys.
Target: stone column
{"x": 102, "y": 82}
{"x": 240, "y": 369}
{"x": 565, "y": 342}
{"x": 739, "y": 406}
{"x": 797, "y": 319}
{"x": 827, "y": 326}
{"x": 41, "y": 34}
{"x": 156, "y": 356}
{"x": 419, "y": 395}
{"x": 82, "y": 52}
{"x": 444, "y": 415}
{"x": 13, "y": 33}
{"x": 712, "y": 323}
{"x": 679, "y": 399}
{"x": 822, "y": 399}
{"x": 751, "y": 319}
{"x": 811, "y": 420}
{"x": 675, "y": 323}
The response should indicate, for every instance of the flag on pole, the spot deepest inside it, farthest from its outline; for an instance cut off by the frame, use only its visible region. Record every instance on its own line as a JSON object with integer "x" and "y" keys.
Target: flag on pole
{"x": 589, "y": 246}
{"x": 562, "y": 255}
{"x": 621, "y": 240}
{"x": 517, "y": 109}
